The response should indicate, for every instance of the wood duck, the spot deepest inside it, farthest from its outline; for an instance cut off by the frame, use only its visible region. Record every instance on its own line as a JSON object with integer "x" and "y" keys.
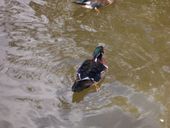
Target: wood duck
{"x": 91, "y": 71}
{"x": 94, "y": 4}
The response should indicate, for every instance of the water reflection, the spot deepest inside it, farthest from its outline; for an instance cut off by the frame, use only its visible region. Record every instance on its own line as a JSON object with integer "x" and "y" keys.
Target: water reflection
{"x": 79, "y": 96}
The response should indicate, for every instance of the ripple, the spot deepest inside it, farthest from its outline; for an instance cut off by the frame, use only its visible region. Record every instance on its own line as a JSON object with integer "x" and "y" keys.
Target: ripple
{"x": 5, "y": 124}
{"x": 166, "y": 69}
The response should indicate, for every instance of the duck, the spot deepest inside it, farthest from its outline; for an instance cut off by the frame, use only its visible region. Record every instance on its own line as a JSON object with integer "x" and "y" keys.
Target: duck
{"x": 94, "y": 4}
{"x": 91, "y": 71}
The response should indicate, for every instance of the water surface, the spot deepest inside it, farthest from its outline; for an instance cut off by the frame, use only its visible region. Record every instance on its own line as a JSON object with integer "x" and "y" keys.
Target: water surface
{"x": 42, "y": 43}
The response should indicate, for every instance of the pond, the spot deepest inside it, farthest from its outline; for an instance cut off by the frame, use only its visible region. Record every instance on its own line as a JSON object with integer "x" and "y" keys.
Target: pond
{"x": 43, "y": 42}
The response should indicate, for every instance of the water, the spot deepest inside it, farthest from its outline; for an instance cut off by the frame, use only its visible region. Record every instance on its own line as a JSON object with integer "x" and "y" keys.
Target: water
{"x": 42, "y": 42}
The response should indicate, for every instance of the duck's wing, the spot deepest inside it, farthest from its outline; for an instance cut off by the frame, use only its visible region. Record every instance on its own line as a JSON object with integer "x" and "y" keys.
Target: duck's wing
{"x": 91, "y": 70}
{"x": 84, "y": 69}
{"x": 96, "y": 70}
{"x": 82, "y": 2}
{"x": 91, "y": 4}
{"x": 83, "y": 81}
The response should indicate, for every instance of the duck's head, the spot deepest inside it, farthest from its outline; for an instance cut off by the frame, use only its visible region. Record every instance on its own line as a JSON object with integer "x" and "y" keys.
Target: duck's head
{"x": 98, "y": 53}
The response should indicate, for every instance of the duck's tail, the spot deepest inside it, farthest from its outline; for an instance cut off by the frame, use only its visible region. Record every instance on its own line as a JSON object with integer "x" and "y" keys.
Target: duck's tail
{"x": 81, "y": 85}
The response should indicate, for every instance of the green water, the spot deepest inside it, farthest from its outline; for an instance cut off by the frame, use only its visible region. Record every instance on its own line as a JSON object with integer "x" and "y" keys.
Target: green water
{"x": 42, "y": 43}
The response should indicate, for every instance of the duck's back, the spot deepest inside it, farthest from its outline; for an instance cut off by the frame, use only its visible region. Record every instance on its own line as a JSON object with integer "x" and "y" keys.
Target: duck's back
{"x": 84, "y": 69}
{"x": 91, "y": 69}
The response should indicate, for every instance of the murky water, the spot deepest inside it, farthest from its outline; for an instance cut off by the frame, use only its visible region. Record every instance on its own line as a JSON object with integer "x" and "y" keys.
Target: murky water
{"x": 42, "y": 42}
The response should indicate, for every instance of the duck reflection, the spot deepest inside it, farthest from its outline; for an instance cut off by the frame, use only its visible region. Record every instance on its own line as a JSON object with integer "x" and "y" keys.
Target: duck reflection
{"x": 79, "y": 96}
